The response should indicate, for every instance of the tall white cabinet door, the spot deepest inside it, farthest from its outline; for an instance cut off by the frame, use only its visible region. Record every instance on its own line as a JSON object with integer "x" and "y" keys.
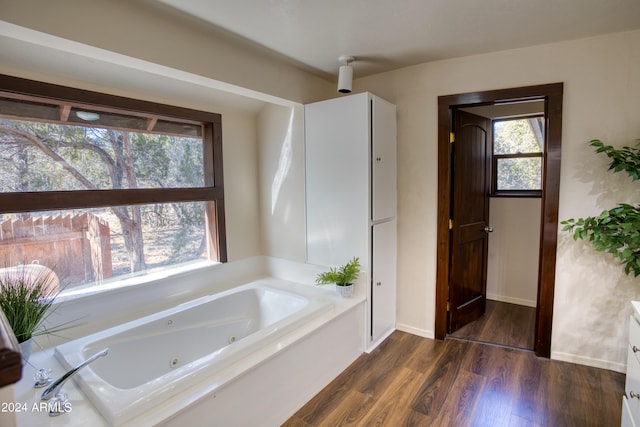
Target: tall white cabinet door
{"x": 383, "y": 295}
{"x": 383, "y": 159}
{"x": 337, "y": 182}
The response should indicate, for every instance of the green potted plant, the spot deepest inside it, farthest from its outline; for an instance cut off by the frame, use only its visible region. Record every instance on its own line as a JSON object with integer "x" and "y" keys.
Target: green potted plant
{"x": 617, "y": 230}
{"x": 343, "y": 277}
{"x": 27, "y": 293}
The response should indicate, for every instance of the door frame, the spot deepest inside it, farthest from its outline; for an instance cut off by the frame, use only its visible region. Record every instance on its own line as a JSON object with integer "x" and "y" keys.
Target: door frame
{"x": 552, "y": 96}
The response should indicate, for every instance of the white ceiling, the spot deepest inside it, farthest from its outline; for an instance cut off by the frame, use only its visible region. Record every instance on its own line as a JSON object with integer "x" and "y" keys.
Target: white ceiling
{"x": 389, "y": 34}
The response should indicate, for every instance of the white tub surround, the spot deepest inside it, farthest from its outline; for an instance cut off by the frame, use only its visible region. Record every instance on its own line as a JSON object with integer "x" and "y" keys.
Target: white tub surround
{"x": 278, "y": 346}
{"x": 279, "y": 386}
{"x": 157, "y": 356}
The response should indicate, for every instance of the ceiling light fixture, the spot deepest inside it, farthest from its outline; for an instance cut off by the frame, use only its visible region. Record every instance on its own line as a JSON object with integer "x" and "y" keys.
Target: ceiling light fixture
{"x": 345, "y": 75}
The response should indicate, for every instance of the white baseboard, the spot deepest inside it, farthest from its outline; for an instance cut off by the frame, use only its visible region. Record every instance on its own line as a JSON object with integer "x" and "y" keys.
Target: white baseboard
{"x": 588, "y": 361}
{"x": 512, "y": 300}
{"x": 415, "y": 331}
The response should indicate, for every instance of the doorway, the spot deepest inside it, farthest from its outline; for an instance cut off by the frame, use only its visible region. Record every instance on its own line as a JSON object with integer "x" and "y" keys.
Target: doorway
{"x": 510, "y": 192}
{"x": 448, "y": 274}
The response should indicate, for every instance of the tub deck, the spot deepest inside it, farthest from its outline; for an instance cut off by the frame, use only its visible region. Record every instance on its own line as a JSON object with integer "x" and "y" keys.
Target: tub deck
{"x": 245, "y": 375}
{"x": 153, "y": 358}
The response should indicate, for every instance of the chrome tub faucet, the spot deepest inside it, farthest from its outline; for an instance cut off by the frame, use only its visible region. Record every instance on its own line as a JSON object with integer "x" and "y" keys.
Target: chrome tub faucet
{"x": 55, "y": 387}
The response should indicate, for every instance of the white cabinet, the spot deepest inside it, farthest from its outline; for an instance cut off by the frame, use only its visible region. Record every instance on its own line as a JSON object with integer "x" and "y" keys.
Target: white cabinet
{"x": 631, "y": 401}
{"x": 350, "y": 152}
{"x": 627, "y": 418}
{"x": 384, "y": 161}
{"x": 383, "y": 297}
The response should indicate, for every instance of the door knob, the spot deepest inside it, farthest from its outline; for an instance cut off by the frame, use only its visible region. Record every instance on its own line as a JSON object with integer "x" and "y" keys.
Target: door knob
{"x": 488, "y": 229}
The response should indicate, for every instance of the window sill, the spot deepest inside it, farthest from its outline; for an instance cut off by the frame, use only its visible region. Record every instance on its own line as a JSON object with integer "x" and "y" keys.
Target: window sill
{"x": 519, "y": 194}
{"x": 131, "y": 280}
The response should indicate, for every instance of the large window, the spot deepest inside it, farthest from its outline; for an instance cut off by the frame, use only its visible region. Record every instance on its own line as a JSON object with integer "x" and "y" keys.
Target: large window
{"x": 517, "y": 156}
{"x": 98, "y": 188}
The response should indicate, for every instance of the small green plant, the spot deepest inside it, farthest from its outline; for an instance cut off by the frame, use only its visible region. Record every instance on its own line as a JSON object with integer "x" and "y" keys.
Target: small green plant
{"x": 26, "y": 297}
{"x": 343, "y": 276}
{"x": 615, "y": 231}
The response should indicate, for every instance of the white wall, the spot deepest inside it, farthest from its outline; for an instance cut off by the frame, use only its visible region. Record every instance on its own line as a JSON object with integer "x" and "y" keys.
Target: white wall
{"x": 282, "y": 182}
{"x": 601, "y": 100}
{"x": 240, "y": 157}
{"x": 512, "y": 267}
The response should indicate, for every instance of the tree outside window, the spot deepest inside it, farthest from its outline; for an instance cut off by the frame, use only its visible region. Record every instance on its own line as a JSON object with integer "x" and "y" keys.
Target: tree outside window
{"x": 118, "y": 191}
{"x": 517, "y": 156}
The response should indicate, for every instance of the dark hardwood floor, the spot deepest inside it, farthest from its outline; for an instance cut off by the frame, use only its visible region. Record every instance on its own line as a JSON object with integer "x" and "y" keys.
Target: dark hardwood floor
{"x": 504, "y": 324}
{"x": 414, "y": 381}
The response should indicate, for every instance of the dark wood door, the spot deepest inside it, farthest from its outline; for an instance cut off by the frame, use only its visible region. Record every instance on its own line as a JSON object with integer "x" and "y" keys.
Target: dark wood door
{"x": 469, "y": 218}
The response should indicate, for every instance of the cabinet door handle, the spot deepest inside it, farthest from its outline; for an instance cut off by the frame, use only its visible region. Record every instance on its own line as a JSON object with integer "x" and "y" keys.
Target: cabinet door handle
{"x": 378, "y": 159}
{"x": 634, "y": 395}
{"x": 378, "y": 283}
{"x": 635, "y": 349}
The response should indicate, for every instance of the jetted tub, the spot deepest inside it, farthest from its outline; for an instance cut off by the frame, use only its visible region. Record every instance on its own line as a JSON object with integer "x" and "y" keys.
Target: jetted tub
{"x": 155, "y": 357}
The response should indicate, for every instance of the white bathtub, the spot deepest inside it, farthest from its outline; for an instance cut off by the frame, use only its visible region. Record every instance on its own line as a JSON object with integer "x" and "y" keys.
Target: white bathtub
{"x": 156, "y": 357}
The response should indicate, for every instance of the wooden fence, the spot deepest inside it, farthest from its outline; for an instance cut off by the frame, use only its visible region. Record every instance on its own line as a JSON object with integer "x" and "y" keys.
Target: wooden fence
{"x": 77, "y": 248}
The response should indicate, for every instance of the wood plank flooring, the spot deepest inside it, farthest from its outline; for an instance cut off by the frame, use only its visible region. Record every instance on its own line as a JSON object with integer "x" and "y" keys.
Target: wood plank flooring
{"x": 414, "y": 381}
{"x": 504, "y": 324}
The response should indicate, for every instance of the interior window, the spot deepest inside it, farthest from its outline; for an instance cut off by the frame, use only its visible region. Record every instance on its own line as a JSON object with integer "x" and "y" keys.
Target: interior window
{"x": 99, "y": 188}
{"x": 517, "y": 156}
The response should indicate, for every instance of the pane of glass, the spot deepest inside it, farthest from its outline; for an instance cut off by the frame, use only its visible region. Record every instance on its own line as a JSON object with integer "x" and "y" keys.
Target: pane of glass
{"x": 519, "y": 174}
{"x": 87, "y": 247}
{"x": 29, "y": 110}
{"x": 51, "y": 157}
{"x": 518, "y": 136}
